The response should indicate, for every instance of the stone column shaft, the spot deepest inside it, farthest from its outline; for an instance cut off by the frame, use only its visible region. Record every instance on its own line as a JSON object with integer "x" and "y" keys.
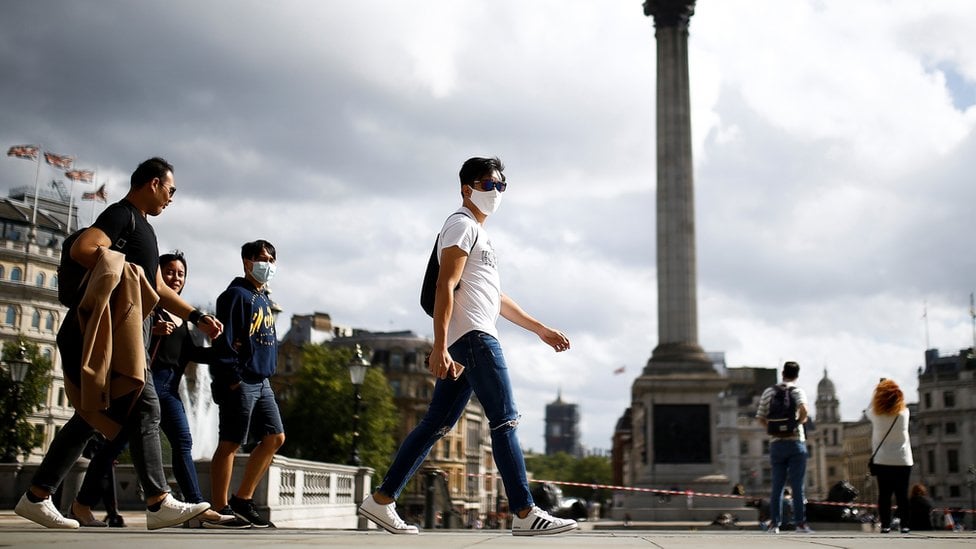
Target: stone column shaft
{"x": 677, "y": 313}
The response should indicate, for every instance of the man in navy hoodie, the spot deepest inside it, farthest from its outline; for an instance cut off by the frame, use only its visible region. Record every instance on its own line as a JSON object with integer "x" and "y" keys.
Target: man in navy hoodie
{"x": 244, "y": 357}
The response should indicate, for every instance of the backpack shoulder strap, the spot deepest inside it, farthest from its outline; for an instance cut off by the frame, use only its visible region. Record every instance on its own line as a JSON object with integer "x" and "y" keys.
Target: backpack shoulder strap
{"x": 124, "y": 237}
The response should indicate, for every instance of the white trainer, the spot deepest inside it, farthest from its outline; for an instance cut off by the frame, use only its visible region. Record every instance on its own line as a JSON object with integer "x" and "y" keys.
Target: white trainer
{"x": 44, "y": 513}
{"x": 386, "y": 517}
{"x": 540, "y": 523}
{"x": 173, "y": 512}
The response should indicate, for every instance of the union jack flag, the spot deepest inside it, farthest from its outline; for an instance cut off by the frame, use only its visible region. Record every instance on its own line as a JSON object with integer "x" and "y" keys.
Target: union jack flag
{"x": 24, "y": 151}
{"x": 80, "y": 175}
{"x": 58, "y": 161}
{"x": 99, "y": 195}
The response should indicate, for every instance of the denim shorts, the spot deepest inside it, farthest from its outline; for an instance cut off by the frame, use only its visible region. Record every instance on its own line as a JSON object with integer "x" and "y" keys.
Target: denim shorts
{"x": 251, "y": 408}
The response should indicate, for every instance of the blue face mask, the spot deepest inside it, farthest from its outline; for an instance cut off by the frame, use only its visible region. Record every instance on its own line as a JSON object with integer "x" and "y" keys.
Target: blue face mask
{"x": 263, "y": 271}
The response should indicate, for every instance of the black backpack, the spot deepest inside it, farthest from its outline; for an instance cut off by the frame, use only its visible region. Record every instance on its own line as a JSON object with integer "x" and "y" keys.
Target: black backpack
{"x": 429, "y": 287}
{"x": 781, "y": 419}
{"x": 71, "y": 274}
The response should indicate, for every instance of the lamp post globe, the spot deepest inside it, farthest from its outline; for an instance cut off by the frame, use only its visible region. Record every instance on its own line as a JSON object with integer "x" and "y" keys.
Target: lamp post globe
{"x": 357, "y": 374}
{"x": 19, "y": 366}
{"x": 17, "y": 369}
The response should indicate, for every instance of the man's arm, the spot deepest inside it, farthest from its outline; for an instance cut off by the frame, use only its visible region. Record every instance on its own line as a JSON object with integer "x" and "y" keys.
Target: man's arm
{"x": 801, "y": 405}
{"x": 763, "y": 408}
{"x": 801, "y": 413}
{"x": 225, "y": 353}
{"x": 452, "y": 263}
{"x": 85, "y": 251}
{"x": 516, "y": 315}
{"x": 85, "y": 248}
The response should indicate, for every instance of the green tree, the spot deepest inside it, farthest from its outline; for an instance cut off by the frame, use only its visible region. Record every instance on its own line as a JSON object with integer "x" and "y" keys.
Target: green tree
{"x": 19, "y": 401}
{"x": 562, "y": 467}
{"x": 318, "y": 415}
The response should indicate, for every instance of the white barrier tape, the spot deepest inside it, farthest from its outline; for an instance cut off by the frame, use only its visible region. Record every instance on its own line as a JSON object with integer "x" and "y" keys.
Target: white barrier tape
{"x": 690, "y": 493}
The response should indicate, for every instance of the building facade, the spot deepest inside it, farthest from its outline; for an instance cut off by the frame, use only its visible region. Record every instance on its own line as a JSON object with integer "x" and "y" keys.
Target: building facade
{"x": 29, "y": 307}
{"x": 943, "y": 428}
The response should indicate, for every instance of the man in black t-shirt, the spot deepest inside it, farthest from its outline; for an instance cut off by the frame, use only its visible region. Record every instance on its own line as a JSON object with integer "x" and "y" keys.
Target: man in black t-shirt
{"x": 151, "y": 191}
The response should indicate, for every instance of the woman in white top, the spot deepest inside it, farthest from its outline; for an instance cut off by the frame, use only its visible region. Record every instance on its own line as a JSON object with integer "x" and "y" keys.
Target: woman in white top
{"x": 892, "y": 451}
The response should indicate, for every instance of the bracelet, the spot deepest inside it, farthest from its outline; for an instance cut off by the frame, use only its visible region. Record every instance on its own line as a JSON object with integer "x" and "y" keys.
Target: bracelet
{"x": 194, "y": 316}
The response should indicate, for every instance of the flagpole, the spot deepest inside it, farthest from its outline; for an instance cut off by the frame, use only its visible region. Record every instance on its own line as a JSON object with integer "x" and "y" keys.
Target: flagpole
{"x": 972, "y": 315}
{"x": 37, "y": 181}
{"x": 925, "y": 315}
{"x": 94, "y": 182}
{"x": 71, "y": 200}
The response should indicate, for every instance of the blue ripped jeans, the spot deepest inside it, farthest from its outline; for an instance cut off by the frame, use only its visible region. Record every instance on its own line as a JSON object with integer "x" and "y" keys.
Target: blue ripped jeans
{"x": 486, "y": 374}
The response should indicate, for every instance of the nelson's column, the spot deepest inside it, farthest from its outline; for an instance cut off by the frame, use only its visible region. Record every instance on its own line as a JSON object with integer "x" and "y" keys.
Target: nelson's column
{"x": 674, "y": 408}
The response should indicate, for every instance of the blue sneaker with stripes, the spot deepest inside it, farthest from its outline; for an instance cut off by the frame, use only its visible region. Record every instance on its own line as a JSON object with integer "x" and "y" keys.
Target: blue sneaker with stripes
{"x": 540, "y": 523}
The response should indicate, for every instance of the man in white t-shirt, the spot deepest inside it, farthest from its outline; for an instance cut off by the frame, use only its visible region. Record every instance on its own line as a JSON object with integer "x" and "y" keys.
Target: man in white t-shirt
{"x": 466, "y": 357}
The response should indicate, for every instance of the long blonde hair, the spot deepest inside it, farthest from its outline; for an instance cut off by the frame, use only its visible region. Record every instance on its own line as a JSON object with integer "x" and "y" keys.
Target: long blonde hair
{"x": 888, "y": 399}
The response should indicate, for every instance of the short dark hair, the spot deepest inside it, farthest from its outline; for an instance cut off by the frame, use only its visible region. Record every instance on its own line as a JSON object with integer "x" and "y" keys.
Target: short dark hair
{"x": 791, "y": 370}
{"x": 175, "y": 255}
{"x": 475, "y": 168}
{"x": 251, "y": 250}
{"x": 148, "y": 170}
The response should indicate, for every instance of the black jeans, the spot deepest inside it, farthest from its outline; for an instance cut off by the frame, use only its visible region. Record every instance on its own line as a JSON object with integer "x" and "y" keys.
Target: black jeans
{"x": 893, "y": 479}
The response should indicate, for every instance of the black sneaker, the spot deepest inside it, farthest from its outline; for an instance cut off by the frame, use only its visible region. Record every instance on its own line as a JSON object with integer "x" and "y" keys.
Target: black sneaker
{"x": 244, "y": 510}
{"x": 228, "y": 521}
{"x": 115, "y": 521}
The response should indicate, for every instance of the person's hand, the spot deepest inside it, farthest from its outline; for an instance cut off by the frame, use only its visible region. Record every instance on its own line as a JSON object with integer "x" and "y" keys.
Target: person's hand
{"x": 441, "y": 365}
{"x": 555, "y": 339}
{"x": 210, "y": 326}
{"x": 163, "y": 328}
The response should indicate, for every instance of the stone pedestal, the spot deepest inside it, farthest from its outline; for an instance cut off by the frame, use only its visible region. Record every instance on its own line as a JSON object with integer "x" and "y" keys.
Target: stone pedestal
{"x": 675, "y": 422}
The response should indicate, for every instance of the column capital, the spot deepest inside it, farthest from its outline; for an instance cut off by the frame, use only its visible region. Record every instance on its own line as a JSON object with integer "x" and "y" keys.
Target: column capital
{"x": 670, "y": 13}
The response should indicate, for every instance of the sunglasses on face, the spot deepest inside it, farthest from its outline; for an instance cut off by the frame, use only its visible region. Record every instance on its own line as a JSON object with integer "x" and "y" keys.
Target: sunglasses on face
{"x": 489, "y": 184}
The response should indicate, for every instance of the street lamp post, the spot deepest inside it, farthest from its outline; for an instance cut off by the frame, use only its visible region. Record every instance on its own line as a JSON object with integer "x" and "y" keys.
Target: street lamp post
{"x": 357, "y": 374}
{"x": 17, "y": 369}
{"x": 971, "y": 482}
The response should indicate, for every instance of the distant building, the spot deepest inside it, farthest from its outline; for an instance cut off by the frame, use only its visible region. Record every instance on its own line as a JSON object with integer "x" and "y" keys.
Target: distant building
{"x": 857, "y": 451}
{"x": 29, "y": 307}
{"x": 744, "y": 445}
{"x": 315, "y": 329}
{"x": 943, "y": 428}
{"x": 619, "y": 449}
{"x": 826, "y": 463}
{"x": 562, "y": 428}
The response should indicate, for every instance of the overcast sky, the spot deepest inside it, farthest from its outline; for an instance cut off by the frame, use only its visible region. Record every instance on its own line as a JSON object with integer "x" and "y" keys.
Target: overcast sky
{"x": 833, "y": 148}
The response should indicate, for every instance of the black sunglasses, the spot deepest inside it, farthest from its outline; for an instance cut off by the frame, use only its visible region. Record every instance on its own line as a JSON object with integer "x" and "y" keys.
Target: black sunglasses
{"x": 490, "y": 184}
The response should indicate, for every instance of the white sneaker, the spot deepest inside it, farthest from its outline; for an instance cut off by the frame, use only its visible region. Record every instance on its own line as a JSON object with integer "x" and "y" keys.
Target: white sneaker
{"x": 173, "y": 512}
{"x": 386, "y": 517}
{"x": 540, "y": 523}
{"x": 43, "y": 513}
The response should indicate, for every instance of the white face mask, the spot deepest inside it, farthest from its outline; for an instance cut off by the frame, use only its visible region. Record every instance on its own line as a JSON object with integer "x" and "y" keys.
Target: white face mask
{"x": 263, "y": 271}
{"x": 486, "y": 201}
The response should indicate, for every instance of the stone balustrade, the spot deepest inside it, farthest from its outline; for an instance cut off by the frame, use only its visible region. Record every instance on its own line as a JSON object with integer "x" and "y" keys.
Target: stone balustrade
{"x": 294, "y": 494}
